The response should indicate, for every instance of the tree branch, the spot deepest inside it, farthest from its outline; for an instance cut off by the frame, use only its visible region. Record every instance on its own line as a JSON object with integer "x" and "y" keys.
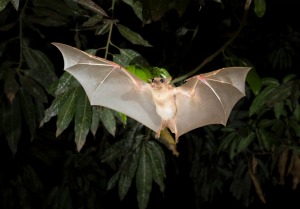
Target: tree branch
{"x": 221, "y": 49}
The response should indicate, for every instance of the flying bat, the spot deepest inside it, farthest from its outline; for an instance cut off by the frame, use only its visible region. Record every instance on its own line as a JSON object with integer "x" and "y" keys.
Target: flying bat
{"x": 202, "y": 100}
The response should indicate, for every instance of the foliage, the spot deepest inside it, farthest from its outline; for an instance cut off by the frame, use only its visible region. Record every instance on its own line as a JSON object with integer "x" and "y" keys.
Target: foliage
{"x": 91, "y": 154}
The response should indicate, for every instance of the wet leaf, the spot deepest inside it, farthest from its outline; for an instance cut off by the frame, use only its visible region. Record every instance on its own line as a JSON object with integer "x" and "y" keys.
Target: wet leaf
{"x": 131, "y": 36}
{"x": 254, "y": 81}
{"x": 11, "y": 85}
{"x": 259, "y": 7}
{"x": 158, "y": 171}
{"x": 66, "y": 83}
{"x": 128, "y": 174}
{"x": 33, "y": 88}
{"x": 66, "y": 112}
{"x": 92, "y": 6}
{"x": 260, "y": 100}
{"x": 143, "y": 179}
{"x": 28, "y": 109}
{"x": 95, "y": 120}
{"x": 41, "y": 68}
{"x": 108, "y": 120}
{"x": 83, "y": 117}
{"x": 55, "y": 107}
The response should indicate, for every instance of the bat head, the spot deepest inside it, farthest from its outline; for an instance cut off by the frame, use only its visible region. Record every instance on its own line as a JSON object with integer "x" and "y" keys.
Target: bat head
{"x": 159, "y": 83}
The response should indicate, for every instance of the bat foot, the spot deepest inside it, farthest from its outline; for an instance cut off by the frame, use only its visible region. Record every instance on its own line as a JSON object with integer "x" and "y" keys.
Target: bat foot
{"x": 157, "y": 135}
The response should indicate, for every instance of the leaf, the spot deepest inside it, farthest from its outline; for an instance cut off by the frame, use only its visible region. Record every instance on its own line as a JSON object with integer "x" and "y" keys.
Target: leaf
{"x": 28, "y": 109}
{"x": 113, "y": 180}
{"x": 95, "y": 120}
{"x": 65, "y": 83}
{"x": 3, "y": 4}
{"x": 41, "y": 68}
{"x": 141, "y": 72}
{"x": 266, "y": 138}
{"x": 16, "y": 4}
{"x": 279, "y": 109}
{"x": 40, "y": 111}
{"x": 11, "y": 85}
{"x": 259, "y": 7}
{"x": 92, "y": 21}
{"x": 33, "y": 88}
{"x": 103, "y": 28}
{"x": 55, "y": 107}
{"x": 157, "y": 8}
{"x": 83, "y": 116}
{"x": 92, "y": 6}
{"x": 143, "y": 179}
{"x": 180, "y": 6}
{"x": 13, "y": 126}
{"x": 245, "y": 142}
{"x": 158, "y": 171}
{"x": 108, "y": 120}
{"x": 280, "y": 93}
{"x": 137, "y": 7}
{"x": 66, "y": 112}
{"x": 113, "y": 152}
{"x": 268, "y": 81}
{"x": 254, "y": 81}
{"x": 62, "y": 7}
{"x": 260, "y": 100}
{"x": 131, "y": 36}
{"x": 127, "y": 175}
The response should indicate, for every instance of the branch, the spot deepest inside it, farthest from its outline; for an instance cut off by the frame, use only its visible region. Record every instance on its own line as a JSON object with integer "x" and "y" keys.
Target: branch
{"x": 221, "y": 49}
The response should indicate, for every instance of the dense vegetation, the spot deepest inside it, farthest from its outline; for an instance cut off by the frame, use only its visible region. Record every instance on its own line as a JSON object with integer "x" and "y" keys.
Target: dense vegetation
{"x": 57, "y": 151}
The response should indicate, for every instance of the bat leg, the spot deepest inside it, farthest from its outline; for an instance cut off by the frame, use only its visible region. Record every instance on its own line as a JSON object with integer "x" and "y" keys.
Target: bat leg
{"x": 163, "y": 125}
{"x": 173, "y": 128}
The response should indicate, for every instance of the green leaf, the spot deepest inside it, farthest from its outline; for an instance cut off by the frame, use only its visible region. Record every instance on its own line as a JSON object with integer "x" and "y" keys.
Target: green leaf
{"x": 95, "y": 120}
{"x": 141, "y": 72}
{"x": 296, "y": 112}
{"x": 16, "y": 4}
{"x": 92, "y": 21}
{"x": 13, "y": 126}
{"x": 288, "y": 78}
{"x": 159, "y": 152}
{"x": 62, "y": 7}
{"x": 157, "y": 8}
{"x": 266, "y": 138}
{"x": 233, "y": 147}
{"x": 47, "y": 17}
{"x": 279, "y": 109}
{"x": 158, "y": 171}
{"x": 137, "y": 7}
{"x": 108, "y": 120}
{"x": 160, "y": 72}
{"x": 268, "y": 81}
{"x": 143, "y": 179}
{"x": 41, "y": 68}
{"x": 66, "y": 83}
{"x": 245, "y": 142}
{"x": 92, "y": 6}
{"x": 40, "y": 111}
{"x": 66, "y": 112}
{"x": 227, "y": 141}
{"x": 131, "y": 36}
{"x": 254, "y": 81}
{"x": 33, "y": 88}
{"x": 260, "y": 7}
{"x": 260, "y": 100}
{"x": 3, "y": 4}
{"x": 83, "y": 116}
{"x": 113, "y": 180}
{"x": 180, "y": 6}
{"x": 113, "y": 152}
{"x": 55, "y": 107}
{"x": 11, "y": 85}
{"x": 103, "y": 28}
{"x": 127, "y": 174}
{"x": 28, "y": 109}
{"x": 280, "y": 93}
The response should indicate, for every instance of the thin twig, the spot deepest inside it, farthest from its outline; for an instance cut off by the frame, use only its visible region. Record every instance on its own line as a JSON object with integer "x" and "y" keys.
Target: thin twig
{"x": 221, "y": 49}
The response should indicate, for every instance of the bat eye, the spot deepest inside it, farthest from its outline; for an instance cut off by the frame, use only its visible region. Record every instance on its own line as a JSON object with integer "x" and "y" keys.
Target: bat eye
{"x": 162, "y": 80}
{"x": 152, "y": 80}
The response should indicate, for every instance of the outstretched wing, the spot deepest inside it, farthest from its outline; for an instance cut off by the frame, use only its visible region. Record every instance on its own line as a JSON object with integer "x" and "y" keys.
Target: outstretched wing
{"x": 108, "y": 84}
{"x": 214, "y": 96}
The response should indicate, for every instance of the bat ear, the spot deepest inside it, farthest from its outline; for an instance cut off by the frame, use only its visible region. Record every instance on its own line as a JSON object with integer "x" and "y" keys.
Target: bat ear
{"x": 168, "y": 79}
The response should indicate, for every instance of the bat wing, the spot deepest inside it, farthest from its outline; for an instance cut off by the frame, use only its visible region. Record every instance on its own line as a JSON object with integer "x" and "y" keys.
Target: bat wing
{"x": 215, "y": 94}
{"x": 108, "y": 84}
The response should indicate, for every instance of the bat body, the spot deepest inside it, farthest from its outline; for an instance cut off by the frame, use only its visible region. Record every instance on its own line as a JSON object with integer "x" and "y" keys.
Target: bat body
{"x": 202, "y": 100}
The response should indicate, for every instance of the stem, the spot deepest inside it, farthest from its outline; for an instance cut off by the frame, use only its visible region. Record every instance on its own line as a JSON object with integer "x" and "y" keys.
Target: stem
{"x": 221, "y": 49}
{"x": 22, "y": 14}
{"x": 108, "y": 42}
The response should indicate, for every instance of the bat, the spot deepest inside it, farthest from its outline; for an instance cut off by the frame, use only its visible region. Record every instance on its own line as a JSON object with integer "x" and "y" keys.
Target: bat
{"x": 202, "y": 100}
